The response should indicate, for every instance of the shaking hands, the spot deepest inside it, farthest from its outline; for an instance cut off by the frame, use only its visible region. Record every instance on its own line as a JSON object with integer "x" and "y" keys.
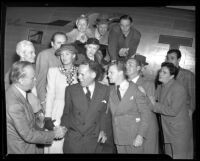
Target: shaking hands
{"x": 59, "y": 132}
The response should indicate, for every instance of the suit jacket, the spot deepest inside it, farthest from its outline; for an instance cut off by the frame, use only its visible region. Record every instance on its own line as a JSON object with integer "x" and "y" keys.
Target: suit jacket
{"x": 45, "y": 60}
{"x": 22, "y": 135}
{"x": 116, "y": 41}
{"x": 85, "y": 120}
{"x": 177, "y": 126}
{"x": 187, "y": 79}
{"x": 151, "y": 142}
{"x": 130, "y": 116}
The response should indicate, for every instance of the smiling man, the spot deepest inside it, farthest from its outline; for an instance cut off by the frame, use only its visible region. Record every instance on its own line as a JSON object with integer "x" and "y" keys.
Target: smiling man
{"x": 88, "y": 123}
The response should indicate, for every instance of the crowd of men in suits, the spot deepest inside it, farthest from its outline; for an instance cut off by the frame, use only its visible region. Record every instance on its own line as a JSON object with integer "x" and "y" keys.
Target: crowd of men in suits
{"x": 110, "y": 107}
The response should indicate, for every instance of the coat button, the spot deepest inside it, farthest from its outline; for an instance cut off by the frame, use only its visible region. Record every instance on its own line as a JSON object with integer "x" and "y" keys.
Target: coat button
{"x": 83, "y": 123}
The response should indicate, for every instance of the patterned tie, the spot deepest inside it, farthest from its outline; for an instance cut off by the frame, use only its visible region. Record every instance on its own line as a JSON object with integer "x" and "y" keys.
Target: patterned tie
{"x": 118, "y": 92}
{"x": 88, "y": 94}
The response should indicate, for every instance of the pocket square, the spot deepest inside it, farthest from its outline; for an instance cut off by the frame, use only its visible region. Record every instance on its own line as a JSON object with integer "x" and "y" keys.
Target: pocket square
{"x": 137, "y": 119}
{"x": 104, "y": 101}
{"x": 131, "y": 98}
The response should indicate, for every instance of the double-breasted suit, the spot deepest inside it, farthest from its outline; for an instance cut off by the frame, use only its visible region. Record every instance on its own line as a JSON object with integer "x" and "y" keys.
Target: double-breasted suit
{"x": 177, "y": 126}
{"x": 22, "y": 132}
{"x": 130, "y": 116}
{"x": 151, "y": 142}
{"x": 84, "y": 120}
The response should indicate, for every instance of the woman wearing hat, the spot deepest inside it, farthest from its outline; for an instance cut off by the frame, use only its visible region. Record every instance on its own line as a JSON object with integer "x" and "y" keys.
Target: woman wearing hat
{"x": 58, "y": 78}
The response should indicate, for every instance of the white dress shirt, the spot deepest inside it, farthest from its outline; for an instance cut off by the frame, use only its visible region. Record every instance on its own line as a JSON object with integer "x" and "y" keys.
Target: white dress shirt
{"x": 134, "y": 80}
{"x": 123, "y": 87}
{"x": 91, "y": 88}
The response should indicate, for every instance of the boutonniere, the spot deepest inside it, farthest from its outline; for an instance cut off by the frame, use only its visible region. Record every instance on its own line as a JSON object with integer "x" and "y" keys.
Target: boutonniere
{"x": 131, "y": 98}
{"x": 104, "y": 101}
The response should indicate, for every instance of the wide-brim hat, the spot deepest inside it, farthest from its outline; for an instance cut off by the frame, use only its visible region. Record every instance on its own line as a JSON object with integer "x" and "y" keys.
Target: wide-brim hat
{"x": 141, "y": 58}
{"x": 102, "y": 19}
{"x": 63, "y": 47}
{"x": 93, "y": 41}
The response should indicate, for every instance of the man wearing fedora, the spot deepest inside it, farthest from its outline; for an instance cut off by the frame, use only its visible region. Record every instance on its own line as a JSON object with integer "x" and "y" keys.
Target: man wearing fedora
{"x": 133, "y": 68}
{"x": 123, "y": 39}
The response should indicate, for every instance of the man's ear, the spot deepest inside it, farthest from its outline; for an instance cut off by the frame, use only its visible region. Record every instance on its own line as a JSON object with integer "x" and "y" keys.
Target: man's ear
{"x": 20, "y": 81}
{"x": 93, "y": 74}
{"x": 52, "y": 44}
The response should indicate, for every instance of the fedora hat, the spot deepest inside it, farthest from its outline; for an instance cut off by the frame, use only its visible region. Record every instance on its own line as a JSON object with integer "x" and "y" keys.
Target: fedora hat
{"x": 102, "y": 19}
{"x": 63, "y": 47}
{"x": 141, "y": 58}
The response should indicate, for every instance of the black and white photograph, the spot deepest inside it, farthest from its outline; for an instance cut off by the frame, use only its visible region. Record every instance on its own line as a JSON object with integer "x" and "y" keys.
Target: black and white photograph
{"x": 99, "y": 80}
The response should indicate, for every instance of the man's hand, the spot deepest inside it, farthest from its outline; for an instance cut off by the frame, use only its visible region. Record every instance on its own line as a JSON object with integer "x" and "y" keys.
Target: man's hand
{"x": 123, "y": 52}
{"x": 59, "y": 132}
{"x": 49, "y": 123}
{"x": 138, "y": 141}
{"x": 102, "y": 137}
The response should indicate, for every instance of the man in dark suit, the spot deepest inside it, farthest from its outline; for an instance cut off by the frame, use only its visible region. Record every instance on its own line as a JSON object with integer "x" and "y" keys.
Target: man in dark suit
{"x": 22, "y": 131}
{"x": 123, "y": 39}
{"x": 85, "y": 116}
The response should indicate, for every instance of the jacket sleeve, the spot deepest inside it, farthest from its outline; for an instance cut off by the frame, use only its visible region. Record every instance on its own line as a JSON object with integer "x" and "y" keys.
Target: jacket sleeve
{"x": 25, "y": 129}
{"x": 133, "y": 45}
{"x": 177, "y": 101}
{"x": 191, "y": 90}
{"x": 144, "y": 112}
{"x": 51, "y": 87}
{"x": 68, "y": 105}
{"x": 113, "y": 44}
{"x": 41, "y": 73}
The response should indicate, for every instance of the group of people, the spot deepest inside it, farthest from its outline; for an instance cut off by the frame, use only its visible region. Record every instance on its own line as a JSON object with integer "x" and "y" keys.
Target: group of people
{"x": 87, "y": 94}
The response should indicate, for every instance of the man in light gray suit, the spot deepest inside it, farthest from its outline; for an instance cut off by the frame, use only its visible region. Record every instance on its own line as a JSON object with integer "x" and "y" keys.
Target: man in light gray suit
{"x": 22, "y": 131}
{"x": 130, "y": 113}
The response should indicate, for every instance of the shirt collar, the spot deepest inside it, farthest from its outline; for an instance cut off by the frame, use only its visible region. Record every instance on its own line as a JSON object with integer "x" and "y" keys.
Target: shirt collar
{"x": 135, "y": 79}
{"x": 21, "y": 91}
{"x": 124, "y": 85}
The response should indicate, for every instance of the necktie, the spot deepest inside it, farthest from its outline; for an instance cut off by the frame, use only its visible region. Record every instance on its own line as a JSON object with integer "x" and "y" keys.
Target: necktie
{"x": 118, "y": 92}
{"x": 27, "y": 92}
{"x": 88, "y": 94}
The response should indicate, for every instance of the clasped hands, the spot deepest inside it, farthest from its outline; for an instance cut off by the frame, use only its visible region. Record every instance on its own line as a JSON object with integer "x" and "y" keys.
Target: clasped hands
{"x": 59, "y": 132}
{"x": 123, "y": 51}
{"x": 102, "y": 137}
{"x": 138, "y": 141}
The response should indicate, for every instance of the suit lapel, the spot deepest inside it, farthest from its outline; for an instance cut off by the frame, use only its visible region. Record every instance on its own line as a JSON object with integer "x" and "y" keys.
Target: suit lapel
{"x": 96, "y": 95}
{"x": 27, "y": 107}
{"x": 124, "y": 99}
{"x": 81, "y": 97}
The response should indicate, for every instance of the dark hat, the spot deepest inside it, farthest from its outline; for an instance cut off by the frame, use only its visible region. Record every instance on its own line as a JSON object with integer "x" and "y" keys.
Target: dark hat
{"x": 102, "y": 19}
{"x": 93, "y": 41}
{"x": 70, "y": 47}
{"x": 141, "y": 58}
